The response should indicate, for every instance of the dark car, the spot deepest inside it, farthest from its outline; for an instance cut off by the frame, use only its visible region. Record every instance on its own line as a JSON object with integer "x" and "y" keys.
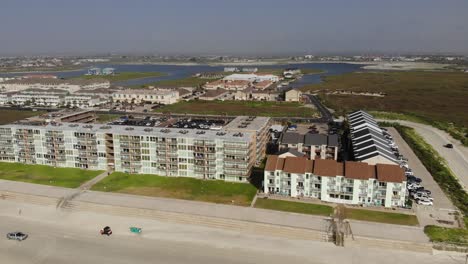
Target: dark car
{"x": 17, "y": 236}
{"x": 106, "y": 231}
{"x": 448, "y": 145}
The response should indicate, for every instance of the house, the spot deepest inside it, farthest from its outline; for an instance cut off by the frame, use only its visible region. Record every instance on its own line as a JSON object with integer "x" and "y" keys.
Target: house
{"x": 350, "y": 182}
{"x": 262, "y": 85}
{"x": 211, "y": 95}
{"x": 293, "y": 95}
{"x": 291, "y": 72}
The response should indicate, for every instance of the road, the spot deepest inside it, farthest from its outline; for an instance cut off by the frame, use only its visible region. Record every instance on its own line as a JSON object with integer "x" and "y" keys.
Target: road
{"x": 457, "y": 158}
{"x": 325, "y": 114}
{"x": 60, "y": 237}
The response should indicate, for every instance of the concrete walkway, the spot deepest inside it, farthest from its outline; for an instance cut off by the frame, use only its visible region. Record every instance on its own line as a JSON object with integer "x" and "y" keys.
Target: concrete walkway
{"x": 87, "y": 185}
{"x": 219, "y": 211}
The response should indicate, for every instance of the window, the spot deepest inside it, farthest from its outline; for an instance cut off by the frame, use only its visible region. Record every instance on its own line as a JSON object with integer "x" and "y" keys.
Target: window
{"x": 301, "y": 184}
{"x": 271, "y": 181}
{"x": 382, "y": 184}
{"x": 307, "y": 176}
{"x": 289, "y": 183}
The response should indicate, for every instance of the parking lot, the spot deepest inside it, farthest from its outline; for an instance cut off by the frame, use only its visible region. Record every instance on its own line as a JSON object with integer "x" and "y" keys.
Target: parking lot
{"x": 167, "y": 121}
{"x": 443, "y": 207}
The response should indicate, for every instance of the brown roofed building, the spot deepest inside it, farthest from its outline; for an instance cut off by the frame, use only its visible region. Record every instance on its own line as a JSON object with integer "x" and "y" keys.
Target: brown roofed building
{"x": 390, "y": 173}
{"x": 329, "y": 168}
{"x": 331, "y": 181}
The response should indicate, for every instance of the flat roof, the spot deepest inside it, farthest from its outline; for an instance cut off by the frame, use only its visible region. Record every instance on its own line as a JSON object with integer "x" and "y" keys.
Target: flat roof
{"x": 248, "y": 123}
{"x": 140, "y": 131}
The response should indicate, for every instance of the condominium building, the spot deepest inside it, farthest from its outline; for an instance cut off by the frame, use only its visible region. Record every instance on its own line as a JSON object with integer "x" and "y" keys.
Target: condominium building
{"x": 315, "y": 146}
{"x": 257, "y": 126}
{"x": 252, "y": 77}
{"x": 220, "y": 154}
{"x": 159, "y": 96}
{"x": 331, "y": 181}
{"x": 367, "y": 139}
{"x": 71, "y": 86}
{"x": 82, "y": 100}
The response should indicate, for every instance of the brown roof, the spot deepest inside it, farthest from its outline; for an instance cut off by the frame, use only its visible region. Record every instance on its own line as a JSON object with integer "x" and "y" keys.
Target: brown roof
{"x": 390, "y": 173}
{"x": 271, "y": 163}
{"x": 332, "y": 168}
{"x": 310, "y": 166}
{"x": 280, "y": 164}
{"x": 295, "y": 164}
{"x": 214, "y": 93}
{"x": 324, "y": 167}
{"x": 357, "y": 170}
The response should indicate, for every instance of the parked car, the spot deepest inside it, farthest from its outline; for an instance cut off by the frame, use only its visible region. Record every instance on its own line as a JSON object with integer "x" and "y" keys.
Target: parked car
{"x": 413, "y": 186}
{"x": 424, "y": 202}
{"x": 412, "y": 179}
{"x": 17, "y": 236}
{"x": 448, "y": 145}
{"x": 422, "y": 196}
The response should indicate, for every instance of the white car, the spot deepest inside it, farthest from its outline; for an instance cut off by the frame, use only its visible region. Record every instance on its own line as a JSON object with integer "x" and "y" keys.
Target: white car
{"x": 413, "y": 186}
{"x": 424, "y": 202}
{"x": 422, "y": 196}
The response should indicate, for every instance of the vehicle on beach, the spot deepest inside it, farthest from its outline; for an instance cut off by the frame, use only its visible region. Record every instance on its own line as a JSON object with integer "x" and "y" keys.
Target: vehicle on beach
{"x": 106, "y": 231}
{"x": 17, "y": 236}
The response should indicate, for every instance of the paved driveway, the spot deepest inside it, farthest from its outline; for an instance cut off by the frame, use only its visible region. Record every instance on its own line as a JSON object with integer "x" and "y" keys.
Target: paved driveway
{"x": 442, "y": 205}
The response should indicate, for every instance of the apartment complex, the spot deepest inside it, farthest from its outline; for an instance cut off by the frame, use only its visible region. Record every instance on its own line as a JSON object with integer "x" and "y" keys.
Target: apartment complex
{"x": 332, "y": 181}
{"x": 71, "y": 86}
{"x": 367, "y": 139}
{"x": 314, "y": 146}
{"x": 207, "y": 154}
{"x": 159, "y": 96}
{"x": 256, "y": 125}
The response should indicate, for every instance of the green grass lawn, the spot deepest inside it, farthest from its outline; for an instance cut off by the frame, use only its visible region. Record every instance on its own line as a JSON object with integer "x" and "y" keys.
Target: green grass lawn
{"x": 325, "y": 210}
{"x": 47, "y": 175}
{"x": 8, "y": 116}
{"x": 124, "y": 76}
{"x": 294, "y": 207}
{"x": 447, "y": 235}
{"x": 178, "y": 187}
{"x": 381, "y": 217}
{"x": 258, "y": 108}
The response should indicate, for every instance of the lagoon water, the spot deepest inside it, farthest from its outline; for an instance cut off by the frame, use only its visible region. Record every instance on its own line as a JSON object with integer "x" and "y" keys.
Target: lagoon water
{"x": 173, "y": 72}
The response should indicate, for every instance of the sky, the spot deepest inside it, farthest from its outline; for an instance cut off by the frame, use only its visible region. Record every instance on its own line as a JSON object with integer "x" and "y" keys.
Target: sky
{"x": 233, "y": 27}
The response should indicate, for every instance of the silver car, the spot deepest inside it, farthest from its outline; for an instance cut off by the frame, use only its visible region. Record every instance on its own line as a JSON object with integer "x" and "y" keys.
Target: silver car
{"x": 17, "y": 236}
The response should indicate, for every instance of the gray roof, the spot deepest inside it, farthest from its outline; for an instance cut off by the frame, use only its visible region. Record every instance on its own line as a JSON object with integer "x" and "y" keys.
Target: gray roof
{"x": 333, "y": 141}
{"x": 291, "y": 138}
{"x": 293, "y": 151}
{"x": 368, "y": 141}
{"x": 315, "y": 139}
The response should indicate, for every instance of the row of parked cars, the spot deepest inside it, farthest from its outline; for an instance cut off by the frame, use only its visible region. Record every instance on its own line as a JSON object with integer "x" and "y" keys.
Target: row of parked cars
{"x": 414, "y": 184}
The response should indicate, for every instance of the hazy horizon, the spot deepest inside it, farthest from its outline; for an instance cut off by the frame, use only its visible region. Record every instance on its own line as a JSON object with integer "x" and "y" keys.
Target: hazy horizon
{"x": 239, "y": 27}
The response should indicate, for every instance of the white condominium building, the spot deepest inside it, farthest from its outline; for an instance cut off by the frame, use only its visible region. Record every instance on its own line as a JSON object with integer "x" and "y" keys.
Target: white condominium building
{"x": 159, "y": 96}
{"x": 331, "y": 181}
{"x": 71, "y": 86}
{"x": 206, "y": 154}
{"x": 252, "y": 77}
